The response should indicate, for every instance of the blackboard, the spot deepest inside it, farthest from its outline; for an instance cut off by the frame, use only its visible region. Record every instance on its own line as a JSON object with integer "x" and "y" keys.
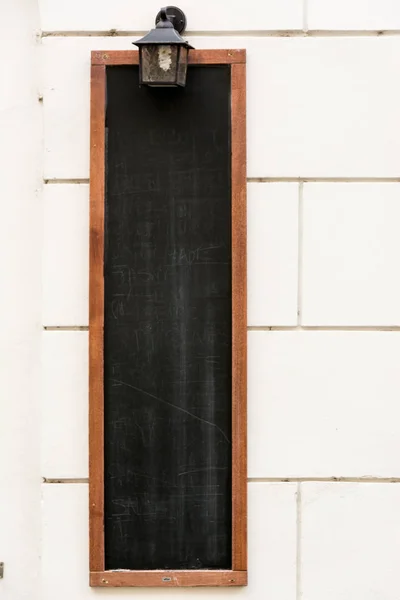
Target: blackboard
{"x": 168, "y": 323}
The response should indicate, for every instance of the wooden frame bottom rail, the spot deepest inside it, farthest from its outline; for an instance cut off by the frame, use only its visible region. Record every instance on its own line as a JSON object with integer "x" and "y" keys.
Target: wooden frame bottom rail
{"x": 167, "y": 578}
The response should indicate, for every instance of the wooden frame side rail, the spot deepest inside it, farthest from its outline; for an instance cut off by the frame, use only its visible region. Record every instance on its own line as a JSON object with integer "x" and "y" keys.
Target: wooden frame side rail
{"x": 98, "y": 575}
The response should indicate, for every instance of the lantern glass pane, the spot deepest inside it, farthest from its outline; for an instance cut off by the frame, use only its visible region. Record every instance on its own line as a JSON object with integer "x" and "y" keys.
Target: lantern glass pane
{"x": 182, "y": 65}
{"x": 159, "y": 64}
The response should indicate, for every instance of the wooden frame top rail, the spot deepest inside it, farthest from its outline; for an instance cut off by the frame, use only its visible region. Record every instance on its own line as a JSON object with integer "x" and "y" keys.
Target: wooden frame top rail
{"x": 196, "y": 57}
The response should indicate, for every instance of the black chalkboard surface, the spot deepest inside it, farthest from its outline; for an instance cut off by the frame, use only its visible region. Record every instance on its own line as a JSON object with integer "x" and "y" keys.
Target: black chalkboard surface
{"x": 167, "y": 323}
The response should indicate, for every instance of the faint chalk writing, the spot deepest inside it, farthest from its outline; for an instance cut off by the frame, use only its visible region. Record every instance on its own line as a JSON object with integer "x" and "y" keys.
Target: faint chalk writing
{"x": 118, "y": 382}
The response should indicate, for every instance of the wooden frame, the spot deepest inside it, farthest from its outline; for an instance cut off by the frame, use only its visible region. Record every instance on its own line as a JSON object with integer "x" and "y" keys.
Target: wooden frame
{"x": 238, "y": 575}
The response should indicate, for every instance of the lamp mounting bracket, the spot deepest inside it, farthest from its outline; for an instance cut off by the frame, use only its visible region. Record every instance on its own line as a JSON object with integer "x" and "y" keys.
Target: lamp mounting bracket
{"x": 176, "y": 16}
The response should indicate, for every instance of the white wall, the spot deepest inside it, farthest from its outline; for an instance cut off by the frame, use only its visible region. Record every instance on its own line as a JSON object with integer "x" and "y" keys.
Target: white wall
{"x": 20, "y": 302}
{"x": 324, "y": 291}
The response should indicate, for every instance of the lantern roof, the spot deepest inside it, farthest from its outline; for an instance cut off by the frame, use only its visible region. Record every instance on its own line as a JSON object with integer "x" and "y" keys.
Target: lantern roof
{"x": 164, "y": 34}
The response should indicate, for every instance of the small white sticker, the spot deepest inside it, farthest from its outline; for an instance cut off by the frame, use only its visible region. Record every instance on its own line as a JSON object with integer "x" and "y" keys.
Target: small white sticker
{"x": 164, "y": 57}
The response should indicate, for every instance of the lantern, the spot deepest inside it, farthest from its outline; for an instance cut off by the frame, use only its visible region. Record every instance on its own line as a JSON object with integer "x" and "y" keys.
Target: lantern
{"x": 163, "y": 54}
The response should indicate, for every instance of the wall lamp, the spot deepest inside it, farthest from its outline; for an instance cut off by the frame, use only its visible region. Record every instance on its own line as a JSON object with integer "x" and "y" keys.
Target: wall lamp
{"x": 163, "y": 53}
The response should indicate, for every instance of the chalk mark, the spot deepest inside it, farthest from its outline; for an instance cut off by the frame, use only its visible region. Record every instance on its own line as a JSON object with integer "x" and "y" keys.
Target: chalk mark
{"x": 203, "y": 469}
{"x": 119, "y": 382}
